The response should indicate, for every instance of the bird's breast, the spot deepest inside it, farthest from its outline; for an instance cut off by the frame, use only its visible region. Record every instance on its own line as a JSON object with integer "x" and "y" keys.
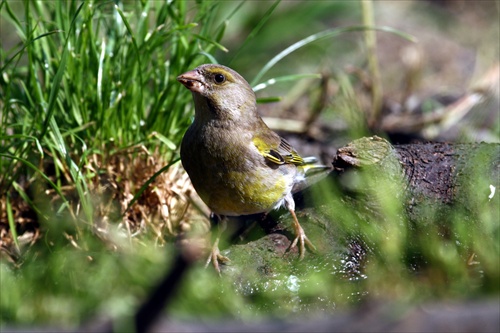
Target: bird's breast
{"x": 230, "y": 175}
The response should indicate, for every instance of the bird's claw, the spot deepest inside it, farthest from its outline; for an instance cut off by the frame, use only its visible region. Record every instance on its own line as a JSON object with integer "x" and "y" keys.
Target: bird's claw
{"x": 215, "y": 257}
{"x": 302, "y": 241}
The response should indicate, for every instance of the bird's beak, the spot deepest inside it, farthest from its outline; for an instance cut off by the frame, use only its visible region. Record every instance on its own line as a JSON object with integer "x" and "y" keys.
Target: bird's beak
{"x": 192, "y": 80}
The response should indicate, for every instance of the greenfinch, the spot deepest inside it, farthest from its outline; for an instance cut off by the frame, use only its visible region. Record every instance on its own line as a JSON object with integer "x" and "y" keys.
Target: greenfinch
{"x": 236, "y": 163}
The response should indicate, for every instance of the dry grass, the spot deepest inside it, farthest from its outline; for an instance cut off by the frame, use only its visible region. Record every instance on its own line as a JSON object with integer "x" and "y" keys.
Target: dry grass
{"x": 167, "y": 207}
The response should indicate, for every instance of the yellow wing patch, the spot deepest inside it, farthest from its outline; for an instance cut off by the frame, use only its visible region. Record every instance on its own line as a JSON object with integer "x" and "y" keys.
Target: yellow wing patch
{"x": 281, "y": 154}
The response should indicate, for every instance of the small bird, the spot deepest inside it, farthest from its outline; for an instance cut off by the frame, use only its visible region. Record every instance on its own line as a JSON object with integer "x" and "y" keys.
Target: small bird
{"x": 237, "y": 164}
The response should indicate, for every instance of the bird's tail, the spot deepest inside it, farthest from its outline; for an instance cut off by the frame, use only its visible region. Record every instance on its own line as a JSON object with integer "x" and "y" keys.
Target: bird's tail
{"x": 312, "y": 172}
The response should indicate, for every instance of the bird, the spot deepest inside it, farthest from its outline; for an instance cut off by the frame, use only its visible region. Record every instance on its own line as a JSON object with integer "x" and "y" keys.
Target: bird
{"x": 236, "y": 163}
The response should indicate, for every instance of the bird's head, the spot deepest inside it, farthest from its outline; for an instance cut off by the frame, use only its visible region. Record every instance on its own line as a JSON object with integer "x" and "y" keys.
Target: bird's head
{"x": 219, "y": 91}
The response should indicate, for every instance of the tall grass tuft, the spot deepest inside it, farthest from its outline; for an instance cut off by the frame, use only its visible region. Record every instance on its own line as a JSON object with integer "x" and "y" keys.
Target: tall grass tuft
{"x": 79, "y": 80}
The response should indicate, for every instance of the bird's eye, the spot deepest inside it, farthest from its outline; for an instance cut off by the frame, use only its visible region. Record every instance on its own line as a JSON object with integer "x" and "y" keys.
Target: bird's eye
{"x": 219, "y": 78}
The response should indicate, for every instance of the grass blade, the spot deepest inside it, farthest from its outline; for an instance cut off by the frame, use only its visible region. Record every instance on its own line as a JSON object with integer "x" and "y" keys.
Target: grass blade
{"x": 319, "y": 36}
{"x": 38, "y": 171}
{"x": 285, "y": 78}
{"x": 12, "y": 224}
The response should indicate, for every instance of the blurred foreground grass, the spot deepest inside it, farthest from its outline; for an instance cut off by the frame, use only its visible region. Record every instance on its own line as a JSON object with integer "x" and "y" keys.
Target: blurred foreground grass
{"x": 89, "y": 100}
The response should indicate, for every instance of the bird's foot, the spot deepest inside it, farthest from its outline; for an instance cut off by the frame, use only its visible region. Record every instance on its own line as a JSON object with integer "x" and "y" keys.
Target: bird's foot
{"x": 301, "y": 239}
{"x": 215, "y": 257}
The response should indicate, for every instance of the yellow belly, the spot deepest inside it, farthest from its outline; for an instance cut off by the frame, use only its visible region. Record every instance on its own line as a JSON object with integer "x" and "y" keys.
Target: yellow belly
{"x": 239, "y": 194}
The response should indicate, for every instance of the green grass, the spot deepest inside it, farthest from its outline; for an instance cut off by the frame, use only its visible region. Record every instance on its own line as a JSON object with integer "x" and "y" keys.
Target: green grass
{"x": 81, "y": 81}
{"x": 85, "y": 83}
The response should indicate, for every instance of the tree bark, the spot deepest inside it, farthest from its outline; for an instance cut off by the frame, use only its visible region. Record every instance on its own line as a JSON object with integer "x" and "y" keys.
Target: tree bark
{"x": 433, "y": 174}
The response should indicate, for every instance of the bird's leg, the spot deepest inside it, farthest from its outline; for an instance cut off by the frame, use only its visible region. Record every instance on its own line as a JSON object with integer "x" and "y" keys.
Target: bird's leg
{"x": 300, "y": 236}
{"x": 215, "y": 255}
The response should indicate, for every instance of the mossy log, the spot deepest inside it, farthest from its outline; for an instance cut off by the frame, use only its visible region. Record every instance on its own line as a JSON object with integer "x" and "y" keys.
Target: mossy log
{"x": 436, "y": 174}
{"x": 374, "y": 181}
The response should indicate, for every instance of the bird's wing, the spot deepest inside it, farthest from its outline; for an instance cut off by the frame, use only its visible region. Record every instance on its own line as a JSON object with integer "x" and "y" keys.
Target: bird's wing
{"x": 276, "y": 149}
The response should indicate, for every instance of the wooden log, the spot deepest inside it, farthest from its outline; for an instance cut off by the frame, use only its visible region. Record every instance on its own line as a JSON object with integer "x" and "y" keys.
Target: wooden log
{"x": 435, "y": 174}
